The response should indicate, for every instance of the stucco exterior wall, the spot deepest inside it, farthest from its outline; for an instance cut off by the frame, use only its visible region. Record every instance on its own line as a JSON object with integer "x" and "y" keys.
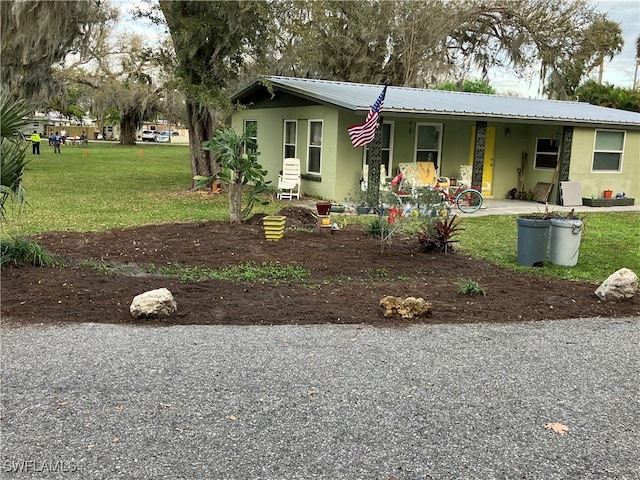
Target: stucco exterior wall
{"x": 595, "y": 183}
{"x": 271, "y": 143}
{"x": 350, "y": 159}
{"x": 514, "y": 150}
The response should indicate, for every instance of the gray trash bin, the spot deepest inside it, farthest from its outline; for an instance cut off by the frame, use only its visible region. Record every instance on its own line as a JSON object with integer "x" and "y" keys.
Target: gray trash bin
{"x": 533, "y": 238}
{"x": 564, "y": 241}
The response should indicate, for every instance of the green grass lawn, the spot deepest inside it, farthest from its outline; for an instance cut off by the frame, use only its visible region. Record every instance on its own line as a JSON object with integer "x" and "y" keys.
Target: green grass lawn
{"x": 609, "y": 242}
{"x": 109, "y": 186}
{"x": 112, "y": 186}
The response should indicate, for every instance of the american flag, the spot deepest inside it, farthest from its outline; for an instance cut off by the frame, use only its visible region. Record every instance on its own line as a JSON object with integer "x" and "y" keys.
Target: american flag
{"x": 363, "y": 134}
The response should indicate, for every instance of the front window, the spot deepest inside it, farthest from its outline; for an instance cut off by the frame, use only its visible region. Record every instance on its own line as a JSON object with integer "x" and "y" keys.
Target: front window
{"x": 253, "y": 143}
{"x": 607, "y": 152}
{"x": 290, "y": 137}
{"x": 428, "y": 143}
{"x": 546, "y": 153}
{"x": 314, "y": 159}
{"x": 387, "y": 129}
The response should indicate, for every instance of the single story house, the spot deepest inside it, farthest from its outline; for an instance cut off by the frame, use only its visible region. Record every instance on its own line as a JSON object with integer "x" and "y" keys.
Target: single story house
{"x": 46, "y": 123}
{"x": 509, "y": 142}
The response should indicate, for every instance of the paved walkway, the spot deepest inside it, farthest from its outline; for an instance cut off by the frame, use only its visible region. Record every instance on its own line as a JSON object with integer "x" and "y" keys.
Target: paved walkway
{"x": 511, "y": 207}
{"x": 502, "y": 207}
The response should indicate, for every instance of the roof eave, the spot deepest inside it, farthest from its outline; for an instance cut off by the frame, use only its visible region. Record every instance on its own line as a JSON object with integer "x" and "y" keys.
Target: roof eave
{"x": 477, "y": 116}
{"x": 508, "y": 118}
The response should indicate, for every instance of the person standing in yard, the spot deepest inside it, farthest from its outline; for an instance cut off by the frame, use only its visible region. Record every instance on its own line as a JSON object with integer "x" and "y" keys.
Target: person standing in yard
{"x": 63, "y": 135}
{"x": 35, "y": 142}
{"x": 57, "y": 140}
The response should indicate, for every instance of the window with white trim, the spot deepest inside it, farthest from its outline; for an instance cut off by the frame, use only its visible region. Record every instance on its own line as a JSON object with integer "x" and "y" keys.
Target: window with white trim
{"x": 546, "y": 153}
{"x": 290, "y": 138}
{"x": 428, "y": 143}
{"x": 314, "y": 149}
{"x": 253, "y": 143}
{"x": 607, "y": 151}
{"x": 387, "y": 135}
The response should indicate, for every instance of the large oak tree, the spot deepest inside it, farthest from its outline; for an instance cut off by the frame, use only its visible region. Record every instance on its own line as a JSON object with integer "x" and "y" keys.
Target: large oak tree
{"x": 420, "y": 44}
{"x": 211, "y": 41}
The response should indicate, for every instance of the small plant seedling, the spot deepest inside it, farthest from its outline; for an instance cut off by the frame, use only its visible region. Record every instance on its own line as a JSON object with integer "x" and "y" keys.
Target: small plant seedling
{"x": 382, "y": 272}
{"x": 471, "y": 288}
{"x": 104, "y": 268}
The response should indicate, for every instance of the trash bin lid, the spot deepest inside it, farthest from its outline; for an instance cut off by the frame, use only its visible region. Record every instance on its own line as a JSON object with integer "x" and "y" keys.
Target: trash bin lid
{"x": 566, "y": 222}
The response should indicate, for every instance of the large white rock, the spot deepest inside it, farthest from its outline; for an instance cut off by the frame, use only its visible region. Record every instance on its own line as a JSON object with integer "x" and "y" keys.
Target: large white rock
{"x": 619, "y": 285}
{"x": 153, "y": 304}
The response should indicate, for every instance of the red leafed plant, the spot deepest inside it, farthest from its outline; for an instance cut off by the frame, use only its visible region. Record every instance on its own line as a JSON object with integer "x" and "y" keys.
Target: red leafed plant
{"x": 438, "y": 236}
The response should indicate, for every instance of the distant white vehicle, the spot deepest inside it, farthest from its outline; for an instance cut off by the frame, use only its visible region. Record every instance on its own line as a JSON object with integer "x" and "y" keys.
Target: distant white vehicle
{"x": 166, "y": 136}
{"x": 150, "y": 136}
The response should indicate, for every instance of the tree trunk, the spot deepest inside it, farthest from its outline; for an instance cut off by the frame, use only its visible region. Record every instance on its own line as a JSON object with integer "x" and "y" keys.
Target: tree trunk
{"x": 235, "y": 201}
{"x": 201, "y": 128}
{"x": 128, "y": 123}
{"x": 600, "y": 70}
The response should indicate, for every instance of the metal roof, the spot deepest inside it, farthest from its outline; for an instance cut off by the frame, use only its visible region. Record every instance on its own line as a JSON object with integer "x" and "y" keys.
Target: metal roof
{"x": 404, "y": 100}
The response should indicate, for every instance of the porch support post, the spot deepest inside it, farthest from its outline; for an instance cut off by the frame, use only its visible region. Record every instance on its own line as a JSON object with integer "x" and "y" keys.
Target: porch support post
{"x": 565, "y": 155}
{"x": 375, "y": 160}
{"x": 564, "y": 158}
{"x": 478, "y": 155}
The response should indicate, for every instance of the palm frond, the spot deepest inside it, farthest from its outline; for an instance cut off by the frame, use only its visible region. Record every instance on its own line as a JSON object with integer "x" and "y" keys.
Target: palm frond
{"x": 12, "y": 151}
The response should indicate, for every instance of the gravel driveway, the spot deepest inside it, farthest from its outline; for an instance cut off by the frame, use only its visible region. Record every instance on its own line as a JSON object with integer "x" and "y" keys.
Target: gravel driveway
{"x": 328, "y": 402}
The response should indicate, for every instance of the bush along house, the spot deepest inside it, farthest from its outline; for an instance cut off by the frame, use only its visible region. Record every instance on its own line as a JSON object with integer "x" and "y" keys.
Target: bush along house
{"x": 503, "y": 145}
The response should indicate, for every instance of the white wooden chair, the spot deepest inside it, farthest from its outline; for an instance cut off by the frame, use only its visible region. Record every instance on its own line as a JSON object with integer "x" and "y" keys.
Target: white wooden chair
{"x": 464, "y": 175}
{"x": 289, "y": 179}
{"x": 464, "y": 178}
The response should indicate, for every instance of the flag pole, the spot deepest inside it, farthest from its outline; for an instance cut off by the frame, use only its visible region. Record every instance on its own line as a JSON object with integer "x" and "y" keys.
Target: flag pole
{"x": 368, "y": 133}
{"x": 375, "y": 161}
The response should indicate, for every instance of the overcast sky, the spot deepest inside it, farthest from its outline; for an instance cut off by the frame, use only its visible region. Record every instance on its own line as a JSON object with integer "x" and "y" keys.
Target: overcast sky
{"x": 627, "y": 13}
{"x": 618, "y": 72}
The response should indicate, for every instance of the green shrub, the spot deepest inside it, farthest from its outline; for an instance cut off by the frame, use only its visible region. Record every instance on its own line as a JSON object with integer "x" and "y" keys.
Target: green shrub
{"x": 21, "y": 251}
{"x": 378, "y": 227}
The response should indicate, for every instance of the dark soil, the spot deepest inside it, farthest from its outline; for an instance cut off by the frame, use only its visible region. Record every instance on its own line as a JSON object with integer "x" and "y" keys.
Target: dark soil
{"x": 348, "y": 278}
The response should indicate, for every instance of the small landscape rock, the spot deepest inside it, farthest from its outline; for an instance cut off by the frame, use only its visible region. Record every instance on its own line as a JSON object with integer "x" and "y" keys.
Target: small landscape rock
{"x": 153, "y": 304}
{"x": 619, "y": 285}
{"x": 409, "y": 307}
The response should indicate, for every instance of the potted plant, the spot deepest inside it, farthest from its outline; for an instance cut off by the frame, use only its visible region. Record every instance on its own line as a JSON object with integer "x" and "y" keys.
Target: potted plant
{"x": 359, "y": 198}
{"x": 323, "y": 207}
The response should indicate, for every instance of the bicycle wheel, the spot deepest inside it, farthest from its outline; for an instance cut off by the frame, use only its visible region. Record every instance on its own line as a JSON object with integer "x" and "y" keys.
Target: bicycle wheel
{"x": 469, "y": 200}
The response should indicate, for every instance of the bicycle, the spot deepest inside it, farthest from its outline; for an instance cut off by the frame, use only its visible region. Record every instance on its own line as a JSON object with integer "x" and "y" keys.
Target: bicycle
{"x": 467, "y": 199}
